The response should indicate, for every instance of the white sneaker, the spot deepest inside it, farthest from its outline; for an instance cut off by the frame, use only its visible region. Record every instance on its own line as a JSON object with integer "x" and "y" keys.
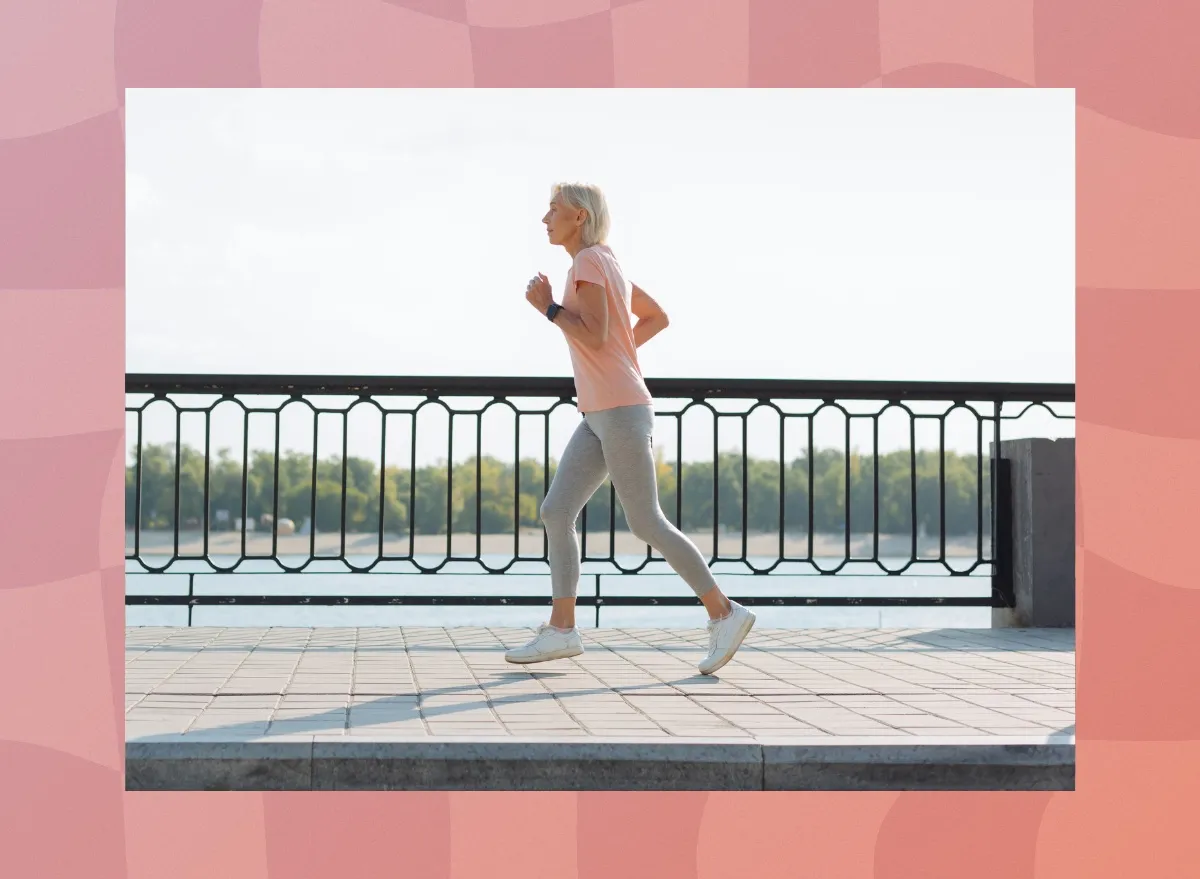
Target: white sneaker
{"x": 548, "y": 644}
{"x": 725, "y": 637}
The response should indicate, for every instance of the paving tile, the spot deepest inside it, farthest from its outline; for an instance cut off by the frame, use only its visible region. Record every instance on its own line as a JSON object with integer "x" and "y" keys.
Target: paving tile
{"x": 923, "y": 720}
{"x": 234, "y": 702}
{"x": 230, "y": 726}
{"x": 382, "y": 718}
{"x": 532, "y": 716}
{"x": 309, "y": 701}
{"x": 727, "y": 733}
{"x": 137, "y": 729}
{"x": 629, "y": 723}
{"x": 741, "y": 704}
{"x": 616, "y": 717}
{"x": 148, "y": 712}
{"x": 466, "y": 729}
{"x": 172, "y": 700}
{"x": 415, "y": 728}
{"x": 295, "y": 727}
{"x": 530, "y": 728}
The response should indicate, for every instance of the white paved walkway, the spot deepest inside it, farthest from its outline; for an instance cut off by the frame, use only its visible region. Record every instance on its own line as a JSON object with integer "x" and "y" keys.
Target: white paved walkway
{"x": 240, "y": 684}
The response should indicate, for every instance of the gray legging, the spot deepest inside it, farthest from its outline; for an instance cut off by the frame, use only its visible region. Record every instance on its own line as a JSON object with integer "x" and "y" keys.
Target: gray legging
{"x": 617, "y": 443}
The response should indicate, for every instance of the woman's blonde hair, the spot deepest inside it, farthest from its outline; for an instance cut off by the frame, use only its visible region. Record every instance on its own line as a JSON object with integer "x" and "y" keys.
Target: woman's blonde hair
{"x": 585, "y": 196}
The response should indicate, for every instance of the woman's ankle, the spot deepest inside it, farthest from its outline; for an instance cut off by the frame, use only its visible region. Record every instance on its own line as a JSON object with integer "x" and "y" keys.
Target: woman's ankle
{"x": 562, "y": 614}
{"x": 719, "y": 606}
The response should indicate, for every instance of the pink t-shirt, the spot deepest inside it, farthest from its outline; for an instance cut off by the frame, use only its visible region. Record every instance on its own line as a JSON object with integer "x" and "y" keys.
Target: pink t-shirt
{"x": 608, "y": 377}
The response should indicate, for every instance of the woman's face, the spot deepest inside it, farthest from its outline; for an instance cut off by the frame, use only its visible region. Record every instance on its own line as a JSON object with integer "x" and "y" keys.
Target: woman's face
{"x": 563, "y": 222}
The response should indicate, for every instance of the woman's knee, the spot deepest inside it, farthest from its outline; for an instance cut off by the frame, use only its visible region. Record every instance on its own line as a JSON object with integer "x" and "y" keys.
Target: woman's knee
{"x": 646, "y": 527}
{"x": 555, "y": 514}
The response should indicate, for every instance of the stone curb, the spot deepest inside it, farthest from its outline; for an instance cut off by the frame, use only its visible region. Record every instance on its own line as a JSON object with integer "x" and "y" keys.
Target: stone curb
{"x": 200, "y": 762}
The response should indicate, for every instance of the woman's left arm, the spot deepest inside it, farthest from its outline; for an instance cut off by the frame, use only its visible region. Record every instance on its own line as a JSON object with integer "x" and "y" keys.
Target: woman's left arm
{"x": 588, "y": 322}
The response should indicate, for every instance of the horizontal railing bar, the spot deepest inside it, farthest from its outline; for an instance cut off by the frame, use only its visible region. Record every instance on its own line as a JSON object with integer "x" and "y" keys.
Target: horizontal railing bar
{"x": 951, "y": 574}
{"x": 542, "y": 601}
{"x": 564, "y": 388}
{"x": 909, "y": 572}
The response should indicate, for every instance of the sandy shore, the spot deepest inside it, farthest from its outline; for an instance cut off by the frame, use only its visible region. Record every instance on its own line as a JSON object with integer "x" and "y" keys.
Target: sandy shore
{"x": 531, "y": 543}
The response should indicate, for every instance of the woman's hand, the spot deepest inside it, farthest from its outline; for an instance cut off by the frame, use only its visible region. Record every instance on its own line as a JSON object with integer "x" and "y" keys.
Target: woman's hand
{"x": 538, "y": 292}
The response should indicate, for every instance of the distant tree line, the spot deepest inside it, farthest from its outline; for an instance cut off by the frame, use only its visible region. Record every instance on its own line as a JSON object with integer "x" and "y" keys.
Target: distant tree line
{"x": 495, "y": 501}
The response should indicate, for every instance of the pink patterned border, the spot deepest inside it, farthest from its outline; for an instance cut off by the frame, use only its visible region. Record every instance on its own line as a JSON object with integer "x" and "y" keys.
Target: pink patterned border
{"x": 63, "y": 810}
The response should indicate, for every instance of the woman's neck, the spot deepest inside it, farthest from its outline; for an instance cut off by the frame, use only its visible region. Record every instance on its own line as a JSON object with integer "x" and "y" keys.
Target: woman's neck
{"x": 576, "y": 247}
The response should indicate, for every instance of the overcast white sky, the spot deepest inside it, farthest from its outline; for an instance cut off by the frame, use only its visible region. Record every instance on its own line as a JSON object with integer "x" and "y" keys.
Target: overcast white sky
{"x": 863, "y": 233}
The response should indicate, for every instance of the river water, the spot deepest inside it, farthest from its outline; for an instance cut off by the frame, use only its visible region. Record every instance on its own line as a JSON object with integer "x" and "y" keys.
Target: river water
{"x": 531, "y": 578}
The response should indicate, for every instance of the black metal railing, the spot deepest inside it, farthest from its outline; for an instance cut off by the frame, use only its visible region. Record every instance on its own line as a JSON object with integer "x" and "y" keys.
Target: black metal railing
{"x": 380, "y": 518}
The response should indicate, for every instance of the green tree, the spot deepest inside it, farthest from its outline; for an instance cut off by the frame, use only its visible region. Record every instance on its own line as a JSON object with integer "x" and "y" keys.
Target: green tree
{"x": 489, "y": 488}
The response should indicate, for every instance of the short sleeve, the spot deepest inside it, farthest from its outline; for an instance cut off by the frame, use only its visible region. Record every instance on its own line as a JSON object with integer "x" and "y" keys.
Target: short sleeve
{"x": 589, "y": 267}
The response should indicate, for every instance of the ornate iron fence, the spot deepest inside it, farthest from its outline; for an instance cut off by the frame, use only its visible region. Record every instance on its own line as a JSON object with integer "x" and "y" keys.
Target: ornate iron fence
{"x": 392, "y": 524}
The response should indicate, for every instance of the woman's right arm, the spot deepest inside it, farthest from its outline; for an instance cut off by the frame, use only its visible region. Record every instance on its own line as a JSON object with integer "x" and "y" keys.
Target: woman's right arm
{"x": 652, "y": 320}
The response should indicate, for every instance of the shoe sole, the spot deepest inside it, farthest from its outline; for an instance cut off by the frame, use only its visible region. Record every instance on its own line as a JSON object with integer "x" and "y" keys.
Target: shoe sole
{"x": 751, "y": 619}
{"x": 546, "y": 657}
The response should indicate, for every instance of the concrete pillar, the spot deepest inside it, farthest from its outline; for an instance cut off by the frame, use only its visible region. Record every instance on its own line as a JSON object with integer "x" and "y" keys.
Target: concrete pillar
{"x": 1042, "y": 475}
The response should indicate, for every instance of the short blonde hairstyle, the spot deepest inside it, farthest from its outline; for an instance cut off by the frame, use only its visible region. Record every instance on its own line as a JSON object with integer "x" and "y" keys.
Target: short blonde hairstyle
{"x": 585, "y": 196}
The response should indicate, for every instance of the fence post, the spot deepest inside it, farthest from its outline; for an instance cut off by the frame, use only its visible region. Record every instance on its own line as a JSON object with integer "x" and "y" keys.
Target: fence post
{"x": 1039, "y": 559}
{"x": 1002, "y": 572}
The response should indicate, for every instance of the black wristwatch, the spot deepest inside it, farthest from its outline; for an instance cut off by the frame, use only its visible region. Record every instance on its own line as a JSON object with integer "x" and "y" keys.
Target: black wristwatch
{"x": 553, "y": 310}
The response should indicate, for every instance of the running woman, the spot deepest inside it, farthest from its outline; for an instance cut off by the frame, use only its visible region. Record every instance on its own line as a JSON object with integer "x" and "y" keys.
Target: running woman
{"x": 614, "y": 438}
